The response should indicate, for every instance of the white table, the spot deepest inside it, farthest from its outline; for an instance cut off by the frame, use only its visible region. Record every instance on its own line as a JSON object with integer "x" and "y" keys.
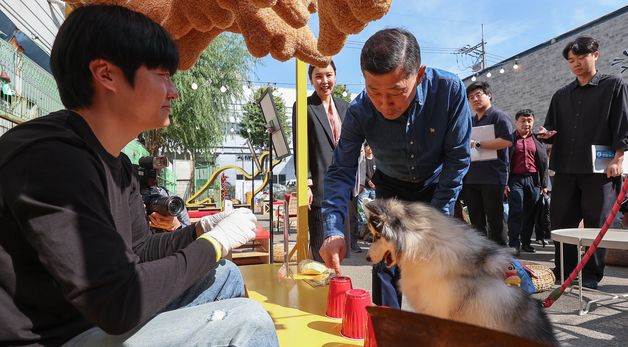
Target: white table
{"x": 614, "y": 238}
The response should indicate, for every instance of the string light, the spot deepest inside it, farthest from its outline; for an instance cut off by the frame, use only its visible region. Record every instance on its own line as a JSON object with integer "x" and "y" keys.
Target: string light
{"x": 223, "y": 89}
{"x": 488, "y": 75}
{"x": 516, "y": 65}
{"x": 194, "y": 86}
{"x": 502, "y": 70}
{"x": 474, "y": 78}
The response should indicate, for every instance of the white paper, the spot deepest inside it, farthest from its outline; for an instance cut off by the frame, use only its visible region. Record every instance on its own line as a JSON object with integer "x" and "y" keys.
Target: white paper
{"x": 601, "y": 156}
{"x": 483, "y": 133}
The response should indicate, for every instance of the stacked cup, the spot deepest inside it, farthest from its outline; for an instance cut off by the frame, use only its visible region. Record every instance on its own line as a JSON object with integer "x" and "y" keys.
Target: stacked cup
{"x": 349, "y": 304}
{"x": 338, "y": 287}
{"x": 369, "y": 339}
{"x": 355, "y": 316}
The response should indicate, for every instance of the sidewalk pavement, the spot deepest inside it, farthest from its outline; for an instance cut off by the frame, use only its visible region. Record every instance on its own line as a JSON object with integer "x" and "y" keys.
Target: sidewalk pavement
{"x": 605, "y": 325}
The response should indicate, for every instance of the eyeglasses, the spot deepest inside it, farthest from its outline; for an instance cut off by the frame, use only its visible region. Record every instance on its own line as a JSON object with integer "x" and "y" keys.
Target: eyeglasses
{"x": 476, "y": 95}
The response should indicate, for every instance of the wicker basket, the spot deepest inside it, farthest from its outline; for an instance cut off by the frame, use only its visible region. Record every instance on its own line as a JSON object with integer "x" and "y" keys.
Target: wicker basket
{"x": 278, "y": 253}
{"x": 542, "y": 276}
{"x": 617, "y": 257}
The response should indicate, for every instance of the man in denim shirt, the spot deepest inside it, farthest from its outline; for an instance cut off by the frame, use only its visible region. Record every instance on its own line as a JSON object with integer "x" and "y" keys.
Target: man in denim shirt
{"x": 418, "y": 124}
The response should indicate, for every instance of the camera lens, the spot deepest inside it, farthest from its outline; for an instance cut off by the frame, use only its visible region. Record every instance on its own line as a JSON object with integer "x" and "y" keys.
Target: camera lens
{"x": 175, "y": 205}
{"x": 166, "y": 205}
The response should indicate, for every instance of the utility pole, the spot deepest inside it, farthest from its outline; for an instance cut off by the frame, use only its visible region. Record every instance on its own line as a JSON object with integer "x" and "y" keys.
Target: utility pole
{"x": 483, "y": 49}
{"x": 477, "y": 51}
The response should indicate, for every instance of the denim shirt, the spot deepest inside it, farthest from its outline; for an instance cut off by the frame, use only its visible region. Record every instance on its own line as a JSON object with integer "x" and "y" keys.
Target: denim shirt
{"x": 429, "y": 143}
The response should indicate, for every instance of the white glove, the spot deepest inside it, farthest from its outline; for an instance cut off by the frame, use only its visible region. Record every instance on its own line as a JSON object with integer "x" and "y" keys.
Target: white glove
{"x": 235, "y": 230}
{"x": 209, "y": 222}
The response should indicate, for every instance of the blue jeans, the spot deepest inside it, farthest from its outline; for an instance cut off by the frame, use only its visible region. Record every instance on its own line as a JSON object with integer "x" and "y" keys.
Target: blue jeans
{"x": 366, "y": 193}
{"x": 212, "y": 312}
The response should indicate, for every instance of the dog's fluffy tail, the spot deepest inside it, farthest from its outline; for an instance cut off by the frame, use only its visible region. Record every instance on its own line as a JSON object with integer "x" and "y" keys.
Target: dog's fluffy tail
{"x": 531, "y": 321}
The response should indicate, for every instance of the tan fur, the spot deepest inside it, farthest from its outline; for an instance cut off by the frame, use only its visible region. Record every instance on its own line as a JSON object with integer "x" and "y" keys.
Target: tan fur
{"x": 275, "y": 27}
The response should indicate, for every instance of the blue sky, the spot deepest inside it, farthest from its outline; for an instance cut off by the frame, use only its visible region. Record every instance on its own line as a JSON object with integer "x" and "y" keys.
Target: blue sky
{"x": 442, "y": 26}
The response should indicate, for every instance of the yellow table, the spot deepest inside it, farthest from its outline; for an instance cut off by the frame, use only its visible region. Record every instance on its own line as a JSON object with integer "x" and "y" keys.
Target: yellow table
{"x": 297, "y": 308}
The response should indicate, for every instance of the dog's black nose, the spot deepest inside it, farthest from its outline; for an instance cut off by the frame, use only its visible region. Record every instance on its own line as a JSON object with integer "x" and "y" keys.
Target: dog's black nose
{"x": 368, "y": 258}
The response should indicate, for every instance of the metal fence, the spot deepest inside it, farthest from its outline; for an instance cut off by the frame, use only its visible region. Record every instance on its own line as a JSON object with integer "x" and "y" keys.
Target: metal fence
{"x": 27, "y": 91}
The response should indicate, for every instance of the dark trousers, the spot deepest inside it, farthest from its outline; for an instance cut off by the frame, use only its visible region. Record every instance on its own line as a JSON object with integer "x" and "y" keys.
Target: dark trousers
{"x": 485, "y": 203}
{"x": 522, "y": 206}
{"x": 576, "y": 197}
{"x": 353, "y": 222}
{"x": 316, "y": 230}
{"x": 385, "y": 280}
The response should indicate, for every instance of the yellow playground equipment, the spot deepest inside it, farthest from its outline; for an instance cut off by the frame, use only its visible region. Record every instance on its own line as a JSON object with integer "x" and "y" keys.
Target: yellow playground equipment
{"x": 191, "y": 201}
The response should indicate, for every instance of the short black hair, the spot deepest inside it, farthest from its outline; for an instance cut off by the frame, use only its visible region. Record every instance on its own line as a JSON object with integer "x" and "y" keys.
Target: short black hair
{"x": 580, "y": 46}
{"x": 388, "y": 49}
{"x": 311, "y": 68}
{"x": 486, "y": 88}
{"x": 123, "y": 37}
{"x": 526, "y": 112}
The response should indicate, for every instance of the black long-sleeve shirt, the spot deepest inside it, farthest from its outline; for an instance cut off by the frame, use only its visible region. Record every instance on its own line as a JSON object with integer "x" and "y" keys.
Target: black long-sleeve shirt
{"x": 75, "y": 248}
{"x": 593, "y": 114}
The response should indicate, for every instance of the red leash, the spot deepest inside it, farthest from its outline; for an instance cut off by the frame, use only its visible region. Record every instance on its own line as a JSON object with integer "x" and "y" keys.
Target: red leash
{"x": 556, "y": 293}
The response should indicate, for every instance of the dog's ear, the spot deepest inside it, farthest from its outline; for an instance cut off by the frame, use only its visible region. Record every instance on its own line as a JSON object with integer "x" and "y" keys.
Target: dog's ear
{"x": 375, "y": 214}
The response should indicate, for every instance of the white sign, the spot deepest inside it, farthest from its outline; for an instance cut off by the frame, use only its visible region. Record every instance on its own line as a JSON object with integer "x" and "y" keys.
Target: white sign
{"x": 601, "y": 156}
{"x": 483, "y": 133}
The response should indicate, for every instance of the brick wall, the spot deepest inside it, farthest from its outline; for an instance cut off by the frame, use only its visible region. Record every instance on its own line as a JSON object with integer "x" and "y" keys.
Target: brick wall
{"x": 542, "y": 71}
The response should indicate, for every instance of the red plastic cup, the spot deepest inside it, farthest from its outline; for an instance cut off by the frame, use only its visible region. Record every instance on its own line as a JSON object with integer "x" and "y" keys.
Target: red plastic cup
{"x": 355, "y": 317}
{"x": 338, "y": 286}
{"x": 369, "y": 340}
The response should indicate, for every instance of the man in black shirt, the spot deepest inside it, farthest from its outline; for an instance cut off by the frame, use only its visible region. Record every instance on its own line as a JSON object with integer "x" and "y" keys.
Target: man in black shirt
{"x": 484, "y": 184}
{"x": 78, "y": 264}
{"x": 591, "y": 110}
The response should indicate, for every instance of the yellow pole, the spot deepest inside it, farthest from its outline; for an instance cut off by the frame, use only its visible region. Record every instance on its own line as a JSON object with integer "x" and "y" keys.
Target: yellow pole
{"x": 301, "y": 155}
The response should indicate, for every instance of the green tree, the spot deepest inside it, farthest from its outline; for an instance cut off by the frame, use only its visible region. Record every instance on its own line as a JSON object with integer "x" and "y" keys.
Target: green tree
{"x": 206, "y": 93}
{"x": 341, "y": 92}
{"x": 253, "y": 125}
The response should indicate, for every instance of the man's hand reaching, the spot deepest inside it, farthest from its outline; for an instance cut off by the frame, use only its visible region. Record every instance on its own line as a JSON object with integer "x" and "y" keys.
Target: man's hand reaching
{"x": 333, "y": 251}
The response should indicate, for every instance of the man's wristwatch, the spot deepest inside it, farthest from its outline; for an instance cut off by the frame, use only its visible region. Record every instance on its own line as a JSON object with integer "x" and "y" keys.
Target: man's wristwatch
{"x": 477, "y": 144}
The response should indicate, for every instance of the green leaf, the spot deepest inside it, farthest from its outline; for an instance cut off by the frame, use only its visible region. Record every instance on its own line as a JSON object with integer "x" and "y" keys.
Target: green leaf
{"x": 199, "y": 115}
{"x": 253, "y": 125}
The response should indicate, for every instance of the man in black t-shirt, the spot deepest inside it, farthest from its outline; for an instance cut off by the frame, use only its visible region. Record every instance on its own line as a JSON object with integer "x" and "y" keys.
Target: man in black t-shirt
{"x": 591, "y": 110}
{"x": 79, "y": 264}
{"x": 485, "y": 183}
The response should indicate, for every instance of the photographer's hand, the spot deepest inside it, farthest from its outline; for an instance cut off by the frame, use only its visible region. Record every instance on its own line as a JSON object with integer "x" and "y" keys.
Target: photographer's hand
{"x": 233, "y": 231}
{"x": 169, "y": 223}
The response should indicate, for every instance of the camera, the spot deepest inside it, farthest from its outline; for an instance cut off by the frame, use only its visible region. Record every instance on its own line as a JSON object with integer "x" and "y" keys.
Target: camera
{"x": 164, "y": 205}
{"x": 156, "y": 199}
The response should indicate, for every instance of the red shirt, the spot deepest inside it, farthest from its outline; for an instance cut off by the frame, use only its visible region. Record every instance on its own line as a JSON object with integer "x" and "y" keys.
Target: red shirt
{"x": 523, "y": 161}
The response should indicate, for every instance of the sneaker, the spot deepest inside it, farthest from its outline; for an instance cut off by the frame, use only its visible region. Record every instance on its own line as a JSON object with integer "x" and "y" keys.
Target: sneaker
{"x": 528, "y": 248}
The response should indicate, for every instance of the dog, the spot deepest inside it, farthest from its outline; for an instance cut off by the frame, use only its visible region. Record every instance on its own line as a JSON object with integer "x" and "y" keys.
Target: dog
{"x": 448, "y": 270}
